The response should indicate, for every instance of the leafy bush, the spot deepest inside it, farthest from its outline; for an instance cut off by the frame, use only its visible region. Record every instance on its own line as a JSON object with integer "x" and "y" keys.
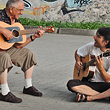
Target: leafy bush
{"x": 81, "y": 25}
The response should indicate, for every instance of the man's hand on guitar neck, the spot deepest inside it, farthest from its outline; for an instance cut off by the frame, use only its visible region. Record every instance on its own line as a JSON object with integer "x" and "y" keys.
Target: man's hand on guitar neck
{"x": 99, "y": 62}
{"x": 6, "y": 33}
{"x": 38, "y": 33}
{"x": 100, "y": 65}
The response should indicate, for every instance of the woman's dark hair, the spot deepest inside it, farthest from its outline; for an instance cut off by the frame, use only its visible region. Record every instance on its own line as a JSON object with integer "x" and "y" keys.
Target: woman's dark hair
{"x": 105, "y": 32}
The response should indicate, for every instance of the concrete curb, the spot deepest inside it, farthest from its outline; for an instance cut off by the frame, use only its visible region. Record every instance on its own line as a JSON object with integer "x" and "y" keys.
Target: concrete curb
{"x": 69, "y": 31}
{"x": 85, "y": 32}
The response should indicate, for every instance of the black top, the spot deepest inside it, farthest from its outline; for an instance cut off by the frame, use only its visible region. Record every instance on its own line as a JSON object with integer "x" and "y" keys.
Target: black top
{"x": 5, "y": 18}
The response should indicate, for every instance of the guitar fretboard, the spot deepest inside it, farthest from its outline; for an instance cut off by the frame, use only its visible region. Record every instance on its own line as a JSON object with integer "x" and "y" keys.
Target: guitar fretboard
{"x": 105, "y": 54}
{"x": 30, "y": 31}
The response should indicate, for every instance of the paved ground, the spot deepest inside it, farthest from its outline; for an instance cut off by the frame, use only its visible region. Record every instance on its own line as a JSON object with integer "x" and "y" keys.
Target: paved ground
{"x": 55, "y": 56}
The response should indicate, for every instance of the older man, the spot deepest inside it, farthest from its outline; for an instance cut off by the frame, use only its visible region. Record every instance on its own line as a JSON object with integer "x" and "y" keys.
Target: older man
{"x": 21, "y": 57}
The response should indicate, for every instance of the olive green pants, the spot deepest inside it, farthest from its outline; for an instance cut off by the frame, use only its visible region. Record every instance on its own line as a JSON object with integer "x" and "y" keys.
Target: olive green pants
{"x": 21, "y": 57}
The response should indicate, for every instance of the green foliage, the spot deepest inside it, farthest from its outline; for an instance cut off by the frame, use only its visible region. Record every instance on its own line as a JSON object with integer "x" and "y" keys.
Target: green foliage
{"x": 81, "y": 25}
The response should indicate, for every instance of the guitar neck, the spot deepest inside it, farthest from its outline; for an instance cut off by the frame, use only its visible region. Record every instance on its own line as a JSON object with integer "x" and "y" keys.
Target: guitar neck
{"x": 30, "y": 31}
{"x": 92, "y": 61}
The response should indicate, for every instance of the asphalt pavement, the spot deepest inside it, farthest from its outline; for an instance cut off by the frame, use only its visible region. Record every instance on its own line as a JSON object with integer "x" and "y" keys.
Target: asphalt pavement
{"x": 55, "y": 56}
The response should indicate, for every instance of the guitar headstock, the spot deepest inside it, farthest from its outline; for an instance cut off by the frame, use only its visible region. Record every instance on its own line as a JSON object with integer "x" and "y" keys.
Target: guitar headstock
{"x": 50, "y": 29}
{"x": 107, "y": 53}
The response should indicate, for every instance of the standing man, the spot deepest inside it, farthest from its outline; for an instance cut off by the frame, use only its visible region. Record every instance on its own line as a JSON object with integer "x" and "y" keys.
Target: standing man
{"x": 20, "y": 56}
{"x": 98, "y": 87}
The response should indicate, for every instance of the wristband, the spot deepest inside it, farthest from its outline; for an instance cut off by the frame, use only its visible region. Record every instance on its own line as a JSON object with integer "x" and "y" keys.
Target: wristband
{"x": 31, "y": 38}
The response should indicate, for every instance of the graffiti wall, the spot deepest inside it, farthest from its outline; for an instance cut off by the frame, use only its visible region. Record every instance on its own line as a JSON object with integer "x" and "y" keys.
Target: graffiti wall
{"x": 55, "y": 7}
{"x": 62, "y": 10}
{"x": 74, "y": 5}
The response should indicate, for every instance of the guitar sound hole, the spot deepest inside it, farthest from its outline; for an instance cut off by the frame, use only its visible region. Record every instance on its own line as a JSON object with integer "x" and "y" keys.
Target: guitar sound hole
{"x": 15, "y": 33}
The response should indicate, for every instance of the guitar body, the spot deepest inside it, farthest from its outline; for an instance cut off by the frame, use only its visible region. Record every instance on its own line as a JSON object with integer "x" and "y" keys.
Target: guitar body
{"x": 80, "y": 74}
{"x": 88, "y": 67}
{"x": 19, "y": 34}
{"x": 4, "y": 44}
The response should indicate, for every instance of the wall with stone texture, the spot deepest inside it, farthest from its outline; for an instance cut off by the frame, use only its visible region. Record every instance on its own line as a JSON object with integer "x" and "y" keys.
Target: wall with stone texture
{"x": 66, "y": 10}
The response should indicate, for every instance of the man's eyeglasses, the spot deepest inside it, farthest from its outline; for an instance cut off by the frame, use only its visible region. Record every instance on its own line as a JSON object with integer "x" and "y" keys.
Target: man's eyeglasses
{"x": 20, "y": 10}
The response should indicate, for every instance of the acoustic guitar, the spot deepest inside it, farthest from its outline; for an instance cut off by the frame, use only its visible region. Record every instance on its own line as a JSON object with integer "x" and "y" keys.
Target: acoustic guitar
{"x": 19, "y": 34}
{"x": 85, "y": 72}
